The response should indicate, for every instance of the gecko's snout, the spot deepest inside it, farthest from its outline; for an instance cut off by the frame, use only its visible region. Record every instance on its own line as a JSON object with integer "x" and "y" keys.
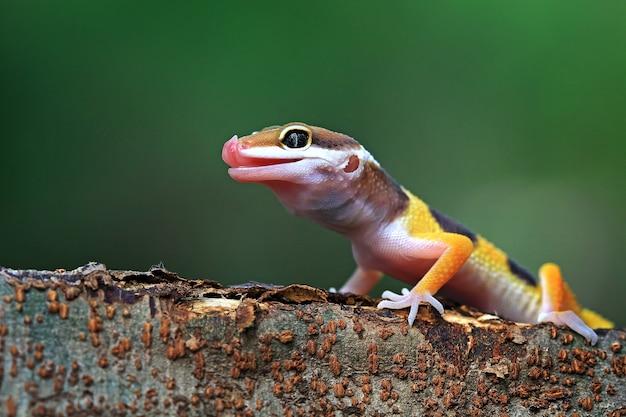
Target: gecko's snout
{"x": 230, "y": 151}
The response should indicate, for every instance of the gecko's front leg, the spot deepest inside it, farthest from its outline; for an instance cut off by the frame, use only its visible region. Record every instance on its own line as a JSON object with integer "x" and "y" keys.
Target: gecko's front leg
{"x": 451, "y": 251}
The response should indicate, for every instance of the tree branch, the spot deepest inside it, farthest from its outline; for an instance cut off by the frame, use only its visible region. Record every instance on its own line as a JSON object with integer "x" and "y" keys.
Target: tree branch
{"x": 98, "y": 342}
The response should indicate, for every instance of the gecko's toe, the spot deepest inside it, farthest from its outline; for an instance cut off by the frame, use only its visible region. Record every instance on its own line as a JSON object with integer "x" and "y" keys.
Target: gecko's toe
{"x": 571, "y": 320}
{"x": 409, "y": 299}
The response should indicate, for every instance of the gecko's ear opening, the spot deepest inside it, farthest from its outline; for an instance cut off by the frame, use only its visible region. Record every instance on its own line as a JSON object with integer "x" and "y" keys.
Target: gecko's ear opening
{"x": 296, "y": 137}
{"x": 353, "y": 164}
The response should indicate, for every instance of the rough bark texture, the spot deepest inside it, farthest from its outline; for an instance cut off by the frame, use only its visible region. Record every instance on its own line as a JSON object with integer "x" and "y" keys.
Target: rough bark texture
{"x": 98, "y": 342}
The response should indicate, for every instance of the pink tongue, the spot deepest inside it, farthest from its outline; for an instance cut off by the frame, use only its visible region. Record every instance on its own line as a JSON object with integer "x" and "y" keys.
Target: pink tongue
{"x": 230, "y": 151}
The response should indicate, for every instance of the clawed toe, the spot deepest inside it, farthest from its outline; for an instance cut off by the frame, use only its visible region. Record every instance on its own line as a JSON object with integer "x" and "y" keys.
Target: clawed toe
{"x": 409, "y": 299}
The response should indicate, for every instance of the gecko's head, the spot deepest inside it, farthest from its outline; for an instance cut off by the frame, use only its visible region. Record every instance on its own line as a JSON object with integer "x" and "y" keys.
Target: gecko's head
{"x": 295, "y": 153}
{"x": 318, "y": 174}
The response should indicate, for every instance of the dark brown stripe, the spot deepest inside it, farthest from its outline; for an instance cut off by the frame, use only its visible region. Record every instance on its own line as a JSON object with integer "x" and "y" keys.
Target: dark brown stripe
{"x": 332, "y": 140}
{"x": 452, "y": 226}
{"x": 521, "y": 273}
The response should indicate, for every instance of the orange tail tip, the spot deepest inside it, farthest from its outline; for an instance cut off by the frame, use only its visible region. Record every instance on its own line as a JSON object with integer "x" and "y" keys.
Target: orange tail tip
{"x": 594, "y": 320}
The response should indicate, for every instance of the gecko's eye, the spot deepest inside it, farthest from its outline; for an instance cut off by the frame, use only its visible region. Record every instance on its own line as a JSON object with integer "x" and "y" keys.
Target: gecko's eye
{"x": 295, "y": 137}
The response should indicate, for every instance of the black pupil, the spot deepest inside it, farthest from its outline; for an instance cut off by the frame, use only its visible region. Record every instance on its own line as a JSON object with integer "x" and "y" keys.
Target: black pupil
{"x": 296, "y": 139}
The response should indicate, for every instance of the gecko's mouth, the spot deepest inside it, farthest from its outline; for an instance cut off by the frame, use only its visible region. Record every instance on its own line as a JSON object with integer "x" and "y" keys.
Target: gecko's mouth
{"x": 251, "y": 168}
{"x": 232, "y": 154}
{"x": 263, "y": 162}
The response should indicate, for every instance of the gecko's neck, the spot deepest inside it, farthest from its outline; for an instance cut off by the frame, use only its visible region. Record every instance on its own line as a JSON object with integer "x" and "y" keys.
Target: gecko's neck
{"x": 352, "y": 206}
{"x": 378, "y": 198}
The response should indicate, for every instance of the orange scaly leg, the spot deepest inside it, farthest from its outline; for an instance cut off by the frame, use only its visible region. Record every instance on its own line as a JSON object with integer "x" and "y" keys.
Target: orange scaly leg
{"x": 451, "y": 250}
{"x": 558, "y": 304}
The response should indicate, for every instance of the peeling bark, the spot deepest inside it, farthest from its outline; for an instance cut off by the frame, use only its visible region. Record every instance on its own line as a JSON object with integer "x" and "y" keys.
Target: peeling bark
{"x": 98, "y": 342}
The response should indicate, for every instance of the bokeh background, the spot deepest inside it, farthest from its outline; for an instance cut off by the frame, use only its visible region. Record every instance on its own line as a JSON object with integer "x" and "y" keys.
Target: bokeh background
{"x": 508, "y": 116}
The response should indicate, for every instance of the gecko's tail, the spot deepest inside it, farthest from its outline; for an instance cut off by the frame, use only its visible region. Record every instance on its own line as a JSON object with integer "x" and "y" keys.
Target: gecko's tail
{"x": 594, "y": 320}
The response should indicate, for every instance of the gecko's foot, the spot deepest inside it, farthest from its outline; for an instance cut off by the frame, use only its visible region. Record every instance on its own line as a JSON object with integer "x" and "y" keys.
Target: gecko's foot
{"x": 570, "y": 319}
{"x": 409, "y": 299}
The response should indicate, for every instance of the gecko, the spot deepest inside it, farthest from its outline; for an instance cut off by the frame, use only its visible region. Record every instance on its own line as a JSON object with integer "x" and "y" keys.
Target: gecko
{"x": 330, "y": 179}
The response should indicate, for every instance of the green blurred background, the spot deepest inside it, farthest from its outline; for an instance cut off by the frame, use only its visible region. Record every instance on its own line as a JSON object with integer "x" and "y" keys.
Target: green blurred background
{"x": 509, "y": 116}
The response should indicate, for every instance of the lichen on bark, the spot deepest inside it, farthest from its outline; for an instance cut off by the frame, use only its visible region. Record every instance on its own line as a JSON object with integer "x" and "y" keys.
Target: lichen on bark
{"x": 97, "y": 342}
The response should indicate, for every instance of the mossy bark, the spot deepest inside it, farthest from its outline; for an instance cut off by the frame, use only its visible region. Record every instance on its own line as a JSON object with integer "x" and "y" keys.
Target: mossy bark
{"x": 98, "y": 342}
